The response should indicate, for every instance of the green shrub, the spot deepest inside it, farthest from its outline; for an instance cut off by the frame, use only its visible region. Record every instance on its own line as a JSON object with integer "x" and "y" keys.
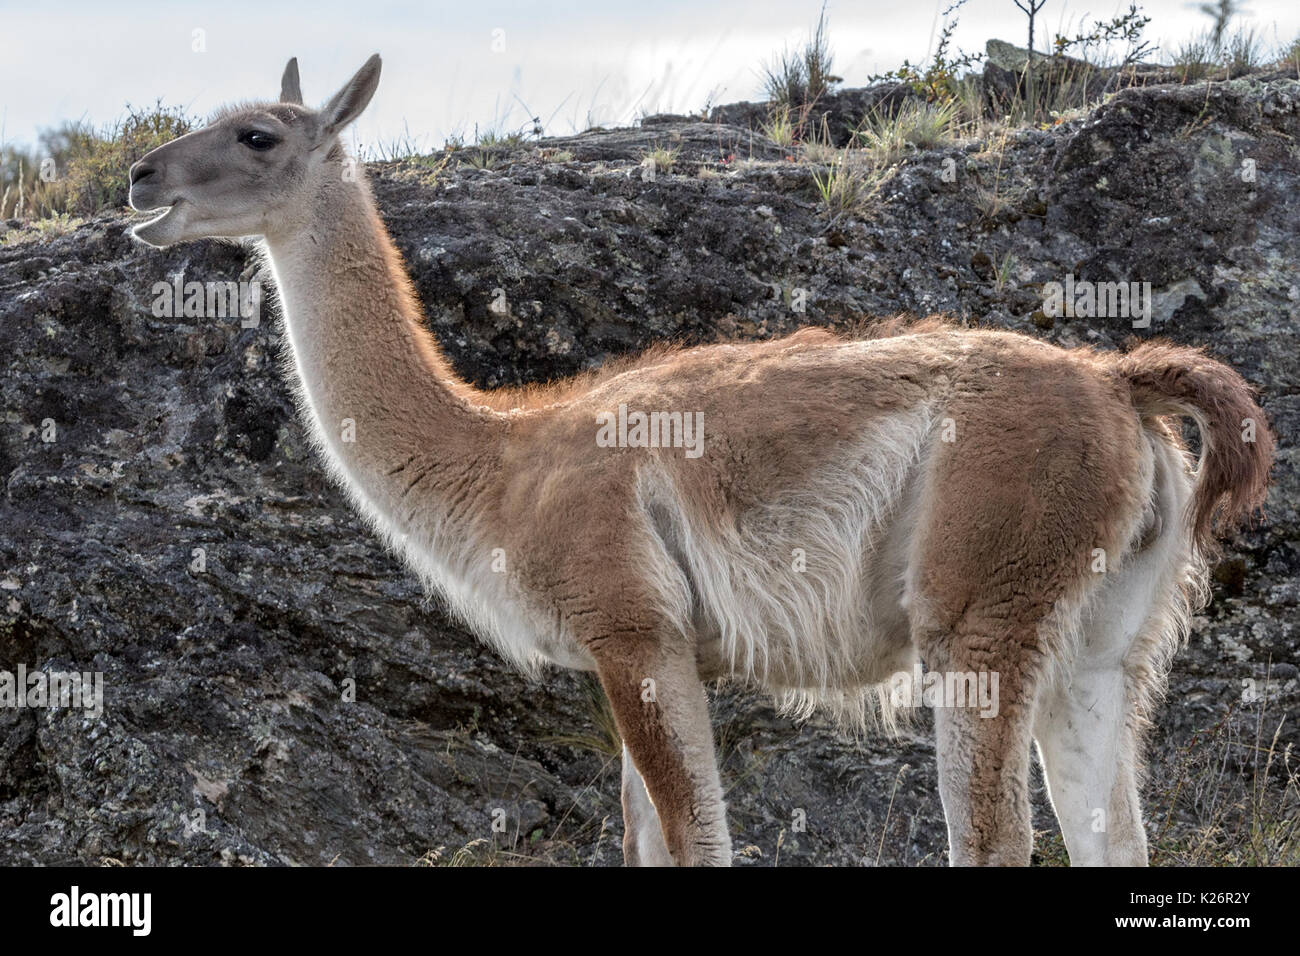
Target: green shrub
{"x": 99, "y": 162}
{"x": 91, "y": 166}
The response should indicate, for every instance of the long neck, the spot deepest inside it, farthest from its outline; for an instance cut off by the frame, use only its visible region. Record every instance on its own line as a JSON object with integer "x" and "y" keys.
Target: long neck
{"x": 405, "y": 433}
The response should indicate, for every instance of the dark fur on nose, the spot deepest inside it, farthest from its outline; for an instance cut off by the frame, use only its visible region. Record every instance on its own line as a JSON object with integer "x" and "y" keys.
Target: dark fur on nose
{"x": 141, "y": 171}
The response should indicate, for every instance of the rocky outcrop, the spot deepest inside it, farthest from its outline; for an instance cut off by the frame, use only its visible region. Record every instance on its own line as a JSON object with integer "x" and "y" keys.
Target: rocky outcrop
{"x": 834, "y": 117}
{"x": 277, "y": 690}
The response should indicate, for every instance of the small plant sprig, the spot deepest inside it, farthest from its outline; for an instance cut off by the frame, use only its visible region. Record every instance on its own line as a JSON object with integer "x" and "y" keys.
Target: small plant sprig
{"x": 939, "y": 80}
{"x": 1127, "y": 28}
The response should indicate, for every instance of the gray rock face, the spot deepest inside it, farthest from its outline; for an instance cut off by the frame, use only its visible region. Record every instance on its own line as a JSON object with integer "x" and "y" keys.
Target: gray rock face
{"x": 287, "y": 695}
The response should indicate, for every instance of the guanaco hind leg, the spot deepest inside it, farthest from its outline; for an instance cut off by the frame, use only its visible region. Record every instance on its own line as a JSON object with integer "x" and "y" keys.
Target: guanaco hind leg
{"x": 1088, "y": 748}
{"x": 984, "y": 754}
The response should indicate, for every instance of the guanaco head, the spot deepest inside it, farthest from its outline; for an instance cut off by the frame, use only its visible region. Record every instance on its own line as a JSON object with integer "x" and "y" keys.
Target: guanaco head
{"x": 252, "y": 170}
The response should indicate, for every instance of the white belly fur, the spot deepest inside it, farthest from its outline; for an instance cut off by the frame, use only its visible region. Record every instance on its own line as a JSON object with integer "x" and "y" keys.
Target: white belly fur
{"x": 825, "y": 635}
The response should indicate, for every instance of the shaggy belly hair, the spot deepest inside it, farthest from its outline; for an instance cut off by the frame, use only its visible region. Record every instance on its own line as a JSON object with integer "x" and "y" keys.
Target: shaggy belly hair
{"x": 830, "y": 634}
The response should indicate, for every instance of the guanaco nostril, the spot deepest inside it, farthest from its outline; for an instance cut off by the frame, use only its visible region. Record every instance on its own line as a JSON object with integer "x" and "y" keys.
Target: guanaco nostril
{"x": 140, "y": 171}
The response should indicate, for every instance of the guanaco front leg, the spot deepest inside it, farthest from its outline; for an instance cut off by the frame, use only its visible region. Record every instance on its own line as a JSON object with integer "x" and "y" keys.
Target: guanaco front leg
{"x": 643, "y": 835}
{"x": 662, "y": 714}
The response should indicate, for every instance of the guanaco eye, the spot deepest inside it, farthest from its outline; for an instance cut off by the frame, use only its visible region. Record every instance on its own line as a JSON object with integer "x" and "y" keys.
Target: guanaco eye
{"x": 256, "y": 139}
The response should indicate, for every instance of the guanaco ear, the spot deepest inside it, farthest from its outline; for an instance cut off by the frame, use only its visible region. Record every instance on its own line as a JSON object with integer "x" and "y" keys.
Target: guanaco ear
{"x": 347, "y": 104}
{"x": 290, "y": 90}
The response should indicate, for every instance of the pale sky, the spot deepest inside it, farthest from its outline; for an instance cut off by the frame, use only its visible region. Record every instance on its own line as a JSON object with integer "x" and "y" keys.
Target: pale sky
{"x": 449, "y": 65}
